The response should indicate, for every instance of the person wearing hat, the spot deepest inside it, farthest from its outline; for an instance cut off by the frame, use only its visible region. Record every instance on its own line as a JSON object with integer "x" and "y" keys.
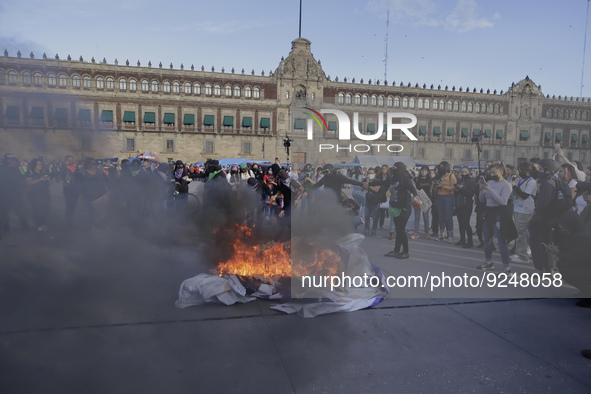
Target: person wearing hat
{"x": 245, "y": 172}
{"x": 544, "y": 215}
{"x": 12, "y": 185}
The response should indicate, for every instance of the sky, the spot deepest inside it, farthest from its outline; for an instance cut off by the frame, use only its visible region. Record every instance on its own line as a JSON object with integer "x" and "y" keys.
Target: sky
{"x": 463, "y": 43}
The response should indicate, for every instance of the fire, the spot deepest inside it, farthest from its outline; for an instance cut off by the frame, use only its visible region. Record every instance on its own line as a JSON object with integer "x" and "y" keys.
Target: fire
{"x": 271, "y": 259}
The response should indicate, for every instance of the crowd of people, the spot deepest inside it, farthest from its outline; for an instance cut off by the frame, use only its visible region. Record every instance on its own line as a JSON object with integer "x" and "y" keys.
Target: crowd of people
{"x": 530, "y": 213}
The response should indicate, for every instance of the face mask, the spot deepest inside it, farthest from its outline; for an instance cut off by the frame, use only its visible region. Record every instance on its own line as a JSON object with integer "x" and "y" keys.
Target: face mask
{"x": 541, "y": 175}
{"x": 270, "y": 172}
{"x": 465, "y": 176}
{"x": 372, "y": 176}
{"x": 441, "y": 171}
{"x": 522, "y": 174}
{"x": 494, "y": 177}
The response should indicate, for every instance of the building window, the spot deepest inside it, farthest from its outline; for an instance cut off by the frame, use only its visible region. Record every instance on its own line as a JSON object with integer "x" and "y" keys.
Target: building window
{"x": 168, "y": 119}
{"x": 411, "y": 103}
{"x": 110, "y": 83}
{"x": 228, "y": 91}
{"x": 389, "y": 101}
{"x": 470, "y": 107}
{"x": 209, "y": 146}
{"x": 257, "y": 93}
{"x": 187, "y": 88}
{"x": 86, "y": 143}
{"x": 464, "y": 106}
{"x": 217, "y": 90}
{"x": 357, "y": 99}
{"x": 450, "y": 106}
{"x": 123, "y": 84}
{"x": 582, "y": 156}
{"x": 2, "y": 77}
{"x": 477, "y": 108}
{"x": 381, "y": 101}
{"x": 246, "y": 147}
{"x": 484, "y": 108}
{"x": 208, "y": 89}
{"x": 130, "y": 145}
{"x": 435, "y": 105}
{"x": 374, "y": 100}
{"x": 155, "y": 86}
{"x": 497, "y": 154}
{"x": 76, "y": 81}
{"x": 129, "y": 117}
{"x": 100, "y": 83}
{"x": 62, "y": 80}
{"x": 442, "y": 105}
{"x": 449, "y": 153}
{"x": 38, "y": 78}
{"x": 12, "y": 76}
{"x": 468, "y": 154}
{"x": 132, "y": 85}
{"x": 421, "y": 103}
{"x": 396, "y": 102}
{"x": 86, "y": 82}
{"x": 485, "y": 154}
{"x": 456, "y": 106}
{"x": 176, "y": 87}
{"x": 405, "y": 102}
{"x": 364, "y": 100}
{"x": 145, "y": 85}
{"x": 27, "y": 80}
{"x": 348, "y": 99}
{"x": 169, "y": 146}
{"x": 427, "y": 103}
{"x": 236, "y": 91}
{"x": 150, "y": 118}
{"x": 421, "y": 152}
{"x": 166, "y": 87}
{"x": 341, "y": 98}
{"x": 248, "y": 92}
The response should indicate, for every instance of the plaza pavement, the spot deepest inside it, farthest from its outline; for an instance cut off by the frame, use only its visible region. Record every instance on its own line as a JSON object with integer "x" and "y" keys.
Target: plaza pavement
{"x": 94, "y": 313}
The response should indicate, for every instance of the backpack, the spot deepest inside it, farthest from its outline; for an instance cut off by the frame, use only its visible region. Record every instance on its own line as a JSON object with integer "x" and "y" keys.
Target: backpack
{"x": 566, "y": 202}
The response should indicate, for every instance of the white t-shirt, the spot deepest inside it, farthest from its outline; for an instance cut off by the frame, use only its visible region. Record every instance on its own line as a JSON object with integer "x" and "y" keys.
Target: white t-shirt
{"x": 526, "y": 206}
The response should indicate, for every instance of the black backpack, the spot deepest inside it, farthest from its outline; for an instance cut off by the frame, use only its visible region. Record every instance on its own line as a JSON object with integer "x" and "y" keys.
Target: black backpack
{"x": 565, "y": 203}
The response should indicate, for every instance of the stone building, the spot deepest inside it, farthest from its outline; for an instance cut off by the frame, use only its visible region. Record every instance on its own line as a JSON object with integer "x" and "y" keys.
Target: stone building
{"x": 51, "y": 107}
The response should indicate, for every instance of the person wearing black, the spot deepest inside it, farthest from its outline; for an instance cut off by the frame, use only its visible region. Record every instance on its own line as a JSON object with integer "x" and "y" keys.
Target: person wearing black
{"x": 12, "y": 185}
{"x": 376, "y": 194}
{"x": 68, "y": 176}
{"x": 92, "y": 186}
{"x": 181, "y": 192}
{"x": 334, "y": 181}
{"x": 481, "y": 206}
{"x": 37, "y": 180}
{"x": 402, "y": 189}
{"x": 466, "y": 189}
{"x": 285, "y": 185}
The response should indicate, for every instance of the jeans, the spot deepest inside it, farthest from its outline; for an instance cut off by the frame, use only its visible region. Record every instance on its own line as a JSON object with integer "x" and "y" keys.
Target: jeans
{"x": 372, "y": 211}
{"x": 426, "y": 216}
{"x": 445, "y": 205}
{"x": 522, "y": 223}
{"x": 359, "y": 198}
{"x": 492, "y": 227}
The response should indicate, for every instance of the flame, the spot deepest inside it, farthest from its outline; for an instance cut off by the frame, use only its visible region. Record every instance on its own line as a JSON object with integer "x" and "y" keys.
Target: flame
{"x": 271, "y": 259}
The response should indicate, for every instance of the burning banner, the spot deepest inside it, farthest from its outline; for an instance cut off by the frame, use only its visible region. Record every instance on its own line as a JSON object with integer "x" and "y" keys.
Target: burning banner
{"x": 267, "y": 271}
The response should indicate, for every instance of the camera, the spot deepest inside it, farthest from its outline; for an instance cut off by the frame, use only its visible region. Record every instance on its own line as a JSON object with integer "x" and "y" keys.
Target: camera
{"x": 583, "y": 187}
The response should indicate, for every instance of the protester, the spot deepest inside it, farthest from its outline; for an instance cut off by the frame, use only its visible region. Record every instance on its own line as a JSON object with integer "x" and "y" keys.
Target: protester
{"x": 525, "y": 189}
{"x": 93, "y": 186}
{"x": 423, "y": 182}
{"x": 38, "y": 180}
{"x": 466, "y": 189}
{"x": 376, "y": 194}
{"x": 12, "y": 183}
{"x": 445, "y": 186}
{"x": 498, "y": 221}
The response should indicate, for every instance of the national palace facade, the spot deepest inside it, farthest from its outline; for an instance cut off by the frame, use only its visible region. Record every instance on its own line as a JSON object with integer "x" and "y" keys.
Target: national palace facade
{"x": 52, "y": 107}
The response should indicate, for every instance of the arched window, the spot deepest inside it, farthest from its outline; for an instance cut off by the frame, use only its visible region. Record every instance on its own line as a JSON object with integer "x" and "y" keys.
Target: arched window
{"x": 76, "y": 81}
{"x": 421, "y": 103}
{"x": 364, "y": 99}
{"x": 411, "y": 103}
{"x": 63, "y": 80}
{"x": 122, "y": 84}
{"x": 51, "y": 79}
{"x": 357, "y": 99}
{"x": 27, "y": 80}
{"x": 381, "y": 101}
{"x": 456, "y": 106}
{"x": 100, "y": 83}
{"x": 217, "y": 90}
{"x": 236, "y": 91}
{"x": 450, "y": 106}
{"x": 477, "y": 108}
{"x": 484, "y": 108}
{"x": 2, "y": 77}
{"x": 257, "y": 93}
{"x": 427, "y": 103}
{"x": 176, "y": 87}
{"x": 155, "y": 86}
{"x": 397, "y": 102}
{"x": 38, "y": 78}
{"x": 498, "y": 108}
{"x": 166, "y": 87}
{"x": 470, "y": 107}
{"x": 248, "y": 92}
{"x": 374, "y": 100}
{"x": 145, "y": 85}
{"x": 110, "y": 83}
{"x": 348, "y": 99}
{"x": 12, "y": 76}
{"x": 405, "y": 102}
{"x": 442, "y": 105}
{"x": 341, "y": 98}
{"x": 228, "y": 91}
{"x": 435, "y": 105}
{"x": 390, "y": 101}
{"x": 132, "y": 85}
{"x": 187, "y": 88}
{"x": 86, "y": 82}
{"x": 464, "y": 106}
